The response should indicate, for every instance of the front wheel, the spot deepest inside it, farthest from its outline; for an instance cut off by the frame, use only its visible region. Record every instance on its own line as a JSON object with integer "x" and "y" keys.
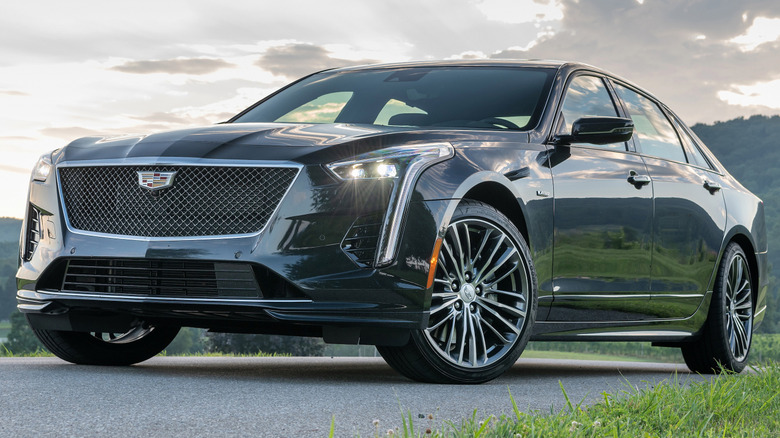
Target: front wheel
{"x": 96, "y": 348}
{"x": 483, "y": 304}
{"x": 728, "y": 332}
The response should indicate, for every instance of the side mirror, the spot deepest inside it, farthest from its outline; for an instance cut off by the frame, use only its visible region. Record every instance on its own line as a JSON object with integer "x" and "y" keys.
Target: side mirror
{"x": 598, "y": 130}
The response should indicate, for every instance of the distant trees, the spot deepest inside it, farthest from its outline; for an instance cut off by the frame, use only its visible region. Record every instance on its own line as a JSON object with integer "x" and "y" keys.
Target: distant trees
{"x": 8, "y": 265}
{"x": 21, "y": 339}
{"x": 188, "y": 341}
{"x": 253, "y": 344}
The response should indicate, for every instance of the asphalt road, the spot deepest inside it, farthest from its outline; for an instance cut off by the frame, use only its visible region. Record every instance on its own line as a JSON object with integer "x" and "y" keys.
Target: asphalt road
{"x": 280, "y": 397}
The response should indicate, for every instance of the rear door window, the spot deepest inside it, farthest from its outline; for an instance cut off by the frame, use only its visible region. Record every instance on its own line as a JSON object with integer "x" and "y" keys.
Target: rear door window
{"x": 654, "y": 131}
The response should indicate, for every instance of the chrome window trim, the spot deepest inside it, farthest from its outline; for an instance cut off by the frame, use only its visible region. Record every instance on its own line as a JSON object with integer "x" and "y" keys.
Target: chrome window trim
{"x": 164, "y": 161}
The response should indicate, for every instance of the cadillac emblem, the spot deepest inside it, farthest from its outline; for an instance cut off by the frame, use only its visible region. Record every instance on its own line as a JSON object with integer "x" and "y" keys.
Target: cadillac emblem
{"x": 155, "y": 180}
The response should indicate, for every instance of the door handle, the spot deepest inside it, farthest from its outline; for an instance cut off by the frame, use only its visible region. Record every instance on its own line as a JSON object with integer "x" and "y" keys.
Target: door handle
{"x": 712, "y": 186}
{"x": 638, "y": 180}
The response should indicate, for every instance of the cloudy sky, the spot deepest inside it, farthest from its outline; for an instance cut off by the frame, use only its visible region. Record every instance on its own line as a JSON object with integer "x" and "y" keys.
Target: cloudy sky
{"x": 76, "y": 68}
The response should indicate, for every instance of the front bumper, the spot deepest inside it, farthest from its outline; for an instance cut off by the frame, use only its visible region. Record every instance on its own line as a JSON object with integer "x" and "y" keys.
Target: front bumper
{"x": 337, "y": 322}
{"x": 302, "y": 247}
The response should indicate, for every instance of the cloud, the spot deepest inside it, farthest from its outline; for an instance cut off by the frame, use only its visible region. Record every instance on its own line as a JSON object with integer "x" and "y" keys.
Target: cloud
{"x": 12, "y": 138}
{"x": 14, "y": 169}
{"x": 13, "y": 93}
{"x": 765, "y": 94}
{"x": 70, "y": 132}
{"x": 658, "y": 46}
{"x": 518, "y": 11}
{"x": 183, "y": 118}
{"x": 297, "y": 60}
{"x": 189, "y": 66}
{"x": 763, "y": 30}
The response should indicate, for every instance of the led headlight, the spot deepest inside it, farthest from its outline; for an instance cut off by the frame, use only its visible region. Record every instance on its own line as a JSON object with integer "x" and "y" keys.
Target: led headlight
{"x": 403, "y": 164}
{"x": 42, "y": 168}
{"x": 389, "y": 162}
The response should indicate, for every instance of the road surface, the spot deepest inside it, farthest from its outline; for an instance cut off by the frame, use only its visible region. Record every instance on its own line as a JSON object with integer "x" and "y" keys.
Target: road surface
{"x": 280, "y": 397}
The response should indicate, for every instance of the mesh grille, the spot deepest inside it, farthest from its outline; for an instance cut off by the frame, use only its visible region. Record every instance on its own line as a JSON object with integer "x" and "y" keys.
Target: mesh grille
{"x": 165, "y": 278}
{"x": 203, "y": 201}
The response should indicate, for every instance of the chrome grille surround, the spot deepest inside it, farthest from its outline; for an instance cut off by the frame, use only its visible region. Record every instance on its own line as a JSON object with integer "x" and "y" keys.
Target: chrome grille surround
{"x": 210, "y": 199}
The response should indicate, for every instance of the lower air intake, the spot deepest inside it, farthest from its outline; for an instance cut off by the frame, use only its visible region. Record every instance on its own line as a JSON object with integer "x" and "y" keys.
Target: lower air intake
{"x": 162, "y": 278}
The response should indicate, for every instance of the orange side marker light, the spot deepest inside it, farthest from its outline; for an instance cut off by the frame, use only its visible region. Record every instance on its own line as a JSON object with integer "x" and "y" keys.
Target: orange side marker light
{"x": 434, "y": 261}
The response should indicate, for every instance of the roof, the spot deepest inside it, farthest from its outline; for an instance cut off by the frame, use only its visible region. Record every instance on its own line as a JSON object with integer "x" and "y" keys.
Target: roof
{"x": 464, "y": 63}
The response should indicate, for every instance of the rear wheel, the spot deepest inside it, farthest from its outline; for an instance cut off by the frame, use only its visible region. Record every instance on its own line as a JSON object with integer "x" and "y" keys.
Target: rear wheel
{"x": 98, "y": 348}
{"x": 728, "y": 331}
{"x": 483, "y": 304}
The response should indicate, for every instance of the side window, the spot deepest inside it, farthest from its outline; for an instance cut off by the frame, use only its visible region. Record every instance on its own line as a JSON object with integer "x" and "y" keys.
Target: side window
{"x": 323, "y": 109}
{"x": 695, "y": 155}
{"x": 656, "y": 135}
{"x": 586, "y": 96}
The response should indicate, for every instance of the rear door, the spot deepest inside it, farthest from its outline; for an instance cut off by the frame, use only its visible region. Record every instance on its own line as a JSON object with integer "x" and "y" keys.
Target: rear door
{"x": 690, "y": 213}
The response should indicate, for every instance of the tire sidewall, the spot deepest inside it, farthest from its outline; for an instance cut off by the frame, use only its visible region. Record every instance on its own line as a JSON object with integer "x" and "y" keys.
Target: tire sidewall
{"x": 716, "y": 321}
{"x": 483, "y": 212}
{"x": 84, "y": 348}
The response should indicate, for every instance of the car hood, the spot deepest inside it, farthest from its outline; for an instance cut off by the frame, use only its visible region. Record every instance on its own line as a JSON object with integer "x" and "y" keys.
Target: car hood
{"x": 253, "y": 141}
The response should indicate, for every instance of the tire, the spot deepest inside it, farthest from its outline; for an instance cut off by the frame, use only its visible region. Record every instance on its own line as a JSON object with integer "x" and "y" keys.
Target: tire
{"x": 483, "y": 305}
{"x": 91, "y": 348}
{"x": 727, "y": 334}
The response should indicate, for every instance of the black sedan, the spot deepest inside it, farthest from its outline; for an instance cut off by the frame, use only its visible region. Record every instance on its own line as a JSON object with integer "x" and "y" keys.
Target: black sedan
{"x": 445, "y": 212}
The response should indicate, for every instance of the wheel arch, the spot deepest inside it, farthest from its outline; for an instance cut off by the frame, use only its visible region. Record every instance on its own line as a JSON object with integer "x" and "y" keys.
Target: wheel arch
{"x": 740, "y": 236}
{"x": 497, "y": 191}
{"x": 502, "y": 199}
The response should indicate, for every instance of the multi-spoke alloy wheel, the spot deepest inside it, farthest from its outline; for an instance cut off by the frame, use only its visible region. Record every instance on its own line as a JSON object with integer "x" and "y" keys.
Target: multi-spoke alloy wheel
{"x": 482, "y": 306}
{"x": 480, "y": 297}
{"x": 729, "y": 329}
{"x": 738, "y": 315}
{"x": 127, "y": 337}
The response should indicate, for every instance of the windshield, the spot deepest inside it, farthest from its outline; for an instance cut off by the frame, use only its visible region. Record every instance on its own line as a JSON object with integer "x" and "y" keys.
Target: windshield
{"x": 459, "y": 97}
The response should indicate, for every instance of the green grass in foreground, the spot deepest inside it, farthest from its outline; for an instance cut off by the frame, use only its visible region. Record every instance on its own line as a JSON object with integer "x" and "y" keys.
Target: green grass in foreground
{"x": 729, "y": 405}
{"x": 214, "y": 354}
{"x": 5, "y": 352}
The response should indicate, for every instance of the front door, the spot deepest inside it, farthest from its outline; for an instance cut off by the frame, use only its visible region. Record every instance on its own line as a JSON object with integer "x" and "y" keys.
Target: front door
{"x": 602, "y": 220}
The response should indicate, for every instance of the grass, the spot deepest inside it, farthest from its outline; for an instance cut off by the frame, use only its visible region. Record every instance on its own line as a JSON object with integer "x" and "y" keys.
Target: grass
{"x": 215, "y": 354}
{"x": 729, "y": 405}
{"x": 5, "y": 352}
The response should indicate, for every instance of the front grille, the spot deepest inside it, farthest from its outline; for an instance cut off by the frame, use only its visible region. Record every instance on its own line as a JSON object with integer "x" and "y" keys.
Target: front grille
{"x": 203, "y": 201}
{"x": 164, "y": 278}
